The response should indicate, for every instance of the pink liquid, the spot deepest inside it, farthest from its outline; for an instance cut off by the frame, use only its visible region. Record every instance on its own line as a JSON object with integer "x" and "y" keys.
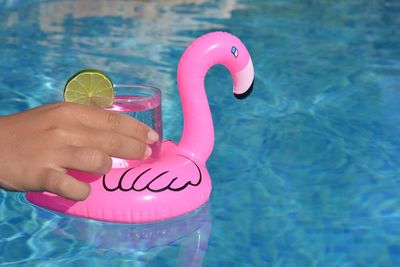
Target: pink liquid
{"x": 144, "y": 109}
{"x": 134, "y": 103}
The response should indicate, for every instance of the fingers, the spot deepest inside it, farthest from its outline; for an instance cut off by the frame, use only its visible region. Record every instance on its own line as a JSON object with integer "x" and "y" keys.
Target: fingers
{"x": 113, "y": 121}
{"x": 112, "y": 144}
{"x": 84, "y": 159}
{"x": 125, "y": 125}
{"x": 63, "y": 185}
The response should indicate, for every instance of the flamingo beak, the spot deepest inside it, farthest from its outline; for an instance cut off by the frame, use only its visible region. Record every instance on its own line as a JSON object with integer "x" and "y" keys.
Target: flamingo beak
{"x": 243, "y": 81}
{"x": 246, "y": 93}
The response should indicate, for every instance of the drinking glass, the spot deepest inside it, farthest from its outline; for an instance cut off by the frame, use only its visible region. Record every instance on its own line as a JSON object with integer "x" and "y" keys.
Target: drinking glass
{"x": 142, "y": 103}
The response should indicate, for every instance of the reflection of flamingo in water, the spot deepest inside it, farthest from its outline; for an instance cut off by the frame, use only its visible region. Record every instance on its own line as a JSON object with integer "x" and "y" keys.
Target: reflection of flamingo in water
{"x": 178, "y": 181}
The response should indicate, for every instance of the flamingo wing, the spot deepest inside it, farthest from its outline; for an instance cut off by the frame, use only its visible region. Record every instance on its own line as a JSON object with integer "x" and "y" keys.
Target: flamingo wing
{"x": 174, "y": 173}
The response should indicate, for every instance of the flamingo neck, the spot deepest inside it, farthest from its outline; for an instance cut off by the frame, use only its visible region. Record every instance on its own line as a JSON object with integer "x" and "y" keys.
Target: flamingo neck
{"x": 198, "y": 130}
{"x": 205, "y": 52}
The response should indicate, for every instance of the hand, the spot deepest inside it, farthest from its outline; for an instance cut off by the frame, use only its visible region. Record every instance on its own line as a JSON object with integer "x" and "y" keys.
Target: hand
{"x": 39, "y": 145}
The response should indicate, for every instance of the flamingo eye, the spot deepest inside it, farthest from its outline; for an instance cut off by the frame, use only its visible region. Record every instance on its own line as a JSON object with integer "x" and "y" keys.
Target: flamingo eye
{"x": 234, "y": 51}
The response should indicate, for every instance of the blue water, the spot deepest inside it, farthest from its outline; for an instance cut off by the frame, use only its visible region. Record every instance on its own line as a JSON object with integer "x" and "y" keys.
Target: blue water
{"x": 305, "y": 171}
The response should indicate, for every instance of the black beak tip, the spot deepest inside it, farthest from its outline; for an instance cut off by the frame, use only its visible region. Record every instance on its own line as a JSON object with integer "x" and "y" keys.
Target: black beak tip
{"x": 245, "y": 94}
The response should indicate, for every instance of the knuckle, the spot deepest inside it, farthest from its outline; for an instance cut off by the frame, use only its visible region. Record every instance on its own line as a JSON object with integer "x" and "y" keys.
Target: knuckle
{"x": 140, "y": 131}
{"x": 55, "y": 106}
{"x": 98, "y": 159}
{"x": 139, "y": 150}
{"x": 62, "y": 109}
{"x": 114, "y": 143}
{"x": 59, "y": 112}
{"x": 57, "y": 185}
{"x": 113, "y": 120}
{"x": 139, "y": 127}
{"x": 56, "y": 132}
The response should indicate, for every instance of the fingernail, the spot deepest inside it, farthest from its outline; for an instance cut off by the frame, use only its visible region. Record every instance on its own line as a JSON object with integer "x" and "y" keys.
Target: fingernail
{"x": 152, "y": 136}
{"x": 147, "y": 152}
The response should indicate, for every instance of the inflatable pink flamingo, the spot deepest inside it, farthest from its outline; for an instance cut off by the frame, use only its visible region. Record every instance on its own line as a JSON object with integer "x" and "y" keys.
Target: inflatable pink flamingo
{"x": 178, "y": 181}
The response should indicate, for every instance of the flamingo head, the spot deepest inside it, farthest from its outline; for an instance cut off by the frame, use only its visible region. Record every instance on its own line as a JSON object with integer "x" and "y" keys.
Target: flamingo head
{"x": 241, "y": 68}
{"x": 243, "y": 81}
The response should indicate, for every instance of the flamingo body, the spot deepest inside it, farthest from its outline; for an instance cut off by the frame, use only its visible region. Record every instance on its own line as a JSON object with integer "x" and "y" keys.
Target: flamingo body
{"x": 149, "y": 192}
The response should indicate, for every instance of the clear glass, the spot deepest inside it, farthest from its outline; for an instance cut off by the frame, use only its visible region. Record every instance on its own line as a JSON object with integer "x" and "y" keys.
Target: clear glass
{"x": 142, "y": 103}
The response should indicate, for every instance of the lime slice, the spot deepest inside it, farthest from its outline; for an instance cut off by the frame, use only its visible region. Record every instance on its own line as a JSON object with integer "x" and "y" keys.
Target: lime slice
{"x": 90, "y": 87}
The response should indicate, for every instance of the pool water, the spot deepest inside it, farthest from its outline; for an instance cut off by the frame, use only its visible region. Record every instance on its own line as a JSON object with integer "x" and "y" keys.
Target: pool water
{"x": 305, "y": 172}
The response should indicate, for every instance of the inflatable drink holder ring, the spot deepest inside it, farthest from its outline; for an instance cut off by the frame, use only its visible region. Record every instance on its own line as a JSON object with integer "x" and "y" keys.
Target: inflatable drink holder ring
{"x": 176, "y": 182}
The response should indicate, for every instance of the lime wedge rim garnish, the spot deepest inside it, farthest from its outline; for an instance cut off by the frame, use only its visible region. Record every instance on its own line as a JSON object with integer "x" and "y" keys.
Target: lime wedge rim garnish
{"x": 90, "y": 87}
